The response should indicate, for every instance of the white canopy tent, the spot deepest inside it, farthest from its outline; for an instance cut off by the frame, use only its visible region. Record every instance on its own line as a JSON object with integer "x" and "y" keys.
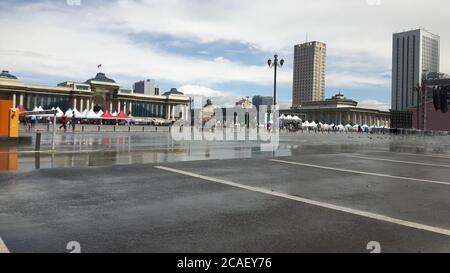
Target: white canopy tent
{"x": 84, "y": 114}
{"x": 59, "y": 113}
{"x": 92, "y": 115}
{"x": 68, "y": 113}
{"x": 77, "y": 113}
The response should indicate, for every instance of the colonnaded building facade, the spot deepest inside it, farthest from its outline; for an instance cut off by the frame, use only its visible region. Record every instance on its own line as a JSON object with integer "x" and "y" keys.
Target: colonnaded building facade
{"x": 339, "y": 110}
{"x": 97, "y": 93}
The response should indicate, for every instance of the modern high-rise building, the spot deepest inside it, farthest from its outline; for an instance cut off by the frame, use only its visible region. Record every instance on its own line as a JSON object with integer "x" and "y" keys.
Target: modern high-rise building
{"x": 414, "y": 53}
{"x": 147, "y": 87}
{"x": 309, "y": 73}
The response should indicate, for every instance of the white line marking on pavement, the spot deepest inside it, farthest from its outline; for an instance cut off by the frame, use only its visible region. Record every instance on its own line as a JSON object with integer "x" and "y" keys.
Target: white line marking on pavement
{"x": 405, "y": 153}
{"x": 313, "y": 202}
{"x": 3, "y": 248}
{"x": 398, "y": 161}
{"x": 363, "y": 173}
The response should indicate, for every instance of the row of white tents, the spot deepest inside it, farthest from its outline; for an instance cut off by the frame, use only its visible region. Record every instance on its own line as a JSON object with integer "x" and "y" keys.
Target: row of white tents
{"x": 86, "y": 114}
{"x": 325, "y": 126}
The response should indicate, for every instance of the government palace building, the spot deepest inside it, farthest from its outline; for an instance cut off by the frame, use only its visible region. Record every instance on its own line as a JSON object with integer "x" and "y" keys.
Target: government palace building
{"x": 339, "y": 110}
{"x": 97, "y": 93}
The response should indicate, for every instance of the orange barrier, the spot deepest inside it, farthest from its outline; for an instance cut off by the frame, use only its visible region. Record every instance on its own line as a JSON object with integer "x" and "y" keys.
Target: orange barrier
{"x": 9, "y": 119}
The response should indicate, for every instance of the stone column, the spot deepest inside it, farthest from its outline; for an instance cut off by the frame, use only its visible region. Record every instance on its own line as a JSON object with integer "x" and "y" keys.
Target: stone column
{"x": 81, "y": 104}
{"x": 14, "y": 100}
{"x": 118, "y": 106}
{"x": 131, "y": 108}
{"x": 21, "y": 99}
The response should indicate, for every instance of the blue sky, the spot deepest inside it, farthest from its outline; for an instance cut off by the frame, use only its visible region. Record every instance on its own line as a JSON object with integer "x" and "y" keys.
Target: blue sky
{"x": 212, "y": 48}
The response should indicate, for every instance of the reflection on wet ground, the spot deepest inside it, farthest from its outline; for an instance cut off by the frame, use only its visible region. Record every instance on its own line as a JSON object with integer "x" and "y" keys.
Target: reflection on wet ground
{"x": 112, "y": 148}
{"x": 8, "y": 159}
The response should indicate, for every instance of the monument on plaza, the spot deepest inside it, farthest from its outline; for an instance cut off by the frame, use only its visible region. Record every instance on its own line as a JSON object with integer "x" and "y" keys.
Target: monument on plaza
{"x": 208, "y": 112}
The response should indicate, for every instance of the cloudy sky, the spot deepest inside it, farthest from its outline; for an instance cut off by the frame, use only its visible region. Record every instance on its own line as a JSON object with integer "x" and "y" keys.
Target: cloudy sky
{"x": 214, "y": 48}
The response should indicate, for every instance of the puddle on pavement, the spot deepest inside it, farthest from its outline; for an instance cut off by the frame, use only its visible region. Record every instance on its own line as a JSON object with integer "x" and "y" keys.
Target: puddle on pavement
{"x": 120, "y": 149}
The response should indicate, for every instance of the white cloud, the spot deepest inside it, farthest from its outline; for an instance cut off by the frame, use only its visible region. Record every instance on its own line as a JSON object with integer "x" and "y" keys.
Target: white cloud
{"x": 351, "y": 80}
{"x": 221, "y": 98}
{"x": 74, "y": 50}
{"x": 218, "y": 98}
{"x": 69, "y": 41}
{"x": 374, "y": 104}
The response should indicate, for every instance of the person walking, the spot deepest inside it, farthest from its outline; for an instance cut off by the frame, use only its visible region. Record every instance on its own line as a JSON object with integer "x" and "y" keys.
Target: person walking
{"x": 63, "y": 121}
{"x": 74, "y": 121}
{"x": 33, "y": 121}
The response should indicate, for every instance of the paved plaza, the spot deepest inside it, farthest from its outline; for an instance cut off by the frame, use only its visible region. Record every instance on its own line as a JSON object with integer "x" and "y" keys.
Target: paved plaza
{"x": 144, "y": 192}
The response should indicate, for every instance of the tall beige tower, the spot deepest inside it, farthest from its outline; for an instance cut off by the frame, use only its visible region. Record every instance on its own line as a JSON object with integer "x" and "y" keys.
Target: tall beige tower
{"x": 309, "y": 73}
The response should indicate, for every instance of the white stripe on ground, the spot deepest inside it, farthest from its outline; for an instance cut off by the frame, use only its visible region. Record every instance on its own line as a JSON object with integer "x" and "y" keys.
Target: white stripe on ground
{"x": 398, "y": 161}
{"x": 405, "y": 153}
{"x": 363, "y": 173}
{"x": 3, "y": 248}
{"x": 313, "y": 202}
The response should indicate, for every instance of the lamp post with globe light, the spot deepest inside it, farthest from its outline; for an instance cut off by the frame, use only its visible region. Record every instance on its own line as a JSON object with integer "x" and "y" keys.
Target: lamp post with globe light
{"x": 275, "y": 64}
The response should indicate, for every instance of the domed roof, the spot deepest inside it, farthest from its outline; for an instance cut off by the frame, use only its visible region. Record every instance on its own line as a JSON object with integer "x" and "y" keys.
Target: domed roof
{"x": 101, "y": 77}
{"x": 173, "y": 91}
{"x": 5, "y": 74}
{"x": 339, "y": 96}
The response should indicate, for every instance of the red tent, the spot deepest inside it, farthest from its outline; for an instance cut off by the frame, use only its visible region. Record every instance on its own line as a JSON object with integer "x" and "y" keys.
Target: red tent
{"x": 22, "y": 109}
{"x": 122, "y": 115}
{"x": 107, "y": 115}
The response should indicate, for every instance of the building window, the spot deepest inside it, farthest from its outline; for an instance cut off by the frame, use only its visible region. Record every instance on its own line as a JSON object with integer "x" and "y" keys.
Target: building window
{"x": 47, "y": 101}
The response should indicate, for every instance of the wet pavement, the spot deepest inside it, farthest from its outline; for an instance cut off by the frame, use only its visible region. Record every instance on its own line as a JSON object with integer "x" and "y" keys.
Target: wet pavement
{"x": 143, "y": 192}
{"x": 155, "y": 145}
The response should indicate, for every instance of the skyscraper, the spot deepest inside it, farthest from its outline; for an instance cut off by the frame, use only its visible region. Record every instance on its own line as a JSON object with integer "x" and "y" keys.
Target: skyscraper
{"x": 147, "y": 87}
{"x": 309, "y": 73}
{"x": 414, "y": 53}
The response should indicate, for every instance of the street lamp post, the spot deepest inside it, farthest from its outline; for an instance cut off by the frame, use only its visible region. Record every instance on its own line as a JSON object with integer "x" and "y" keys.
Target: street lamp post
{"x": 418, "y": 88}
{"x": 275, "y": 64}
